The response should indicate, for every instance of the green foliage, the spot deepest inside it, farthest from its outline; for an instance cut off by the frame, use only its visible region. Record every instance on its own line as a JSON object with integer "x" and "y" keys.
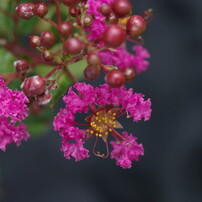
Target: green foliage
{"x": 40, "y": 123}
{"x": 6, "y": 61}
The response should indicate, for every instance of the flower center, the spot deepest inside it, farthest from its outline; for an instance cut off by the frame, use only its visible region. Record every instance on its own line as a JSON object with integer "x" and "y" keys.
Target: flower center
{"x": 103, "y": 122}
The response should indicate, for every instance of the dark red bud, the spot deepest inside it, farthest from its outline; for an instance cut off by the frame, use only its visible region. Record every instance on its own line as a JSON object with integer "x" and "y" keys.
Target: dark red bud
{"x": 25, "y": 10}
{"x": 44, "y": 98}
{"x": 21, "y": 66}
{"x": 93, "y": 59}
{"x": 105, "y": 9}
{"x": 73, "y": 46}
{"x": 40, "y": 9}
{"x": 65, "y": 28}
{"x": 88, "y": 20}
{"x": 47, "y": 39}
{"x": 122, "y": 8}
{"x": 48, "y": 56}
{"x": 35, "y": 85}
{"x": 114, "y": 36}
{"x": 91, "y": 72}
{"x": 129, "y": 73}
{"x": 34, "y": 41}
{"x": 115, "y": 78}
{"x": 136, "y": 26}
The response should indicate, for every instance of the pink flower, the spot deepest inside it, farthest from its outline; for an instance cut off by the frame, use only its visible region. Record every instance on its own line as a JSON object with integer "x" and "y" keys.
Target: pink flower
{"x": 96, "y": 30}
{"x": 98, "y": 27}
{"x": 12, "y": 103}
{"x": 9, "y": 133}
{"x": 126, "y": 151}
{"x": 121, "y": 58}
{"x": 94, "y": 6}
{"x": 75, "y": 150}
{"x": 105, "y": 105}
{"x": 13, "y": 109}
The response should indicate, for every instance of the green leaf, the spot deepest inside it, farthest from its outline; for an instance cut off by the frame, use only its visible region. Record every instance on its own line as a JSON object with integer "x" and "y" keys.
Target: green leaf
{"x": 40, "y": 123}
{"x": 77, "y": 69}
{"x": 27, "y": 26}
{"x": 6, "y": 61}
{"x": 63, "y": 82}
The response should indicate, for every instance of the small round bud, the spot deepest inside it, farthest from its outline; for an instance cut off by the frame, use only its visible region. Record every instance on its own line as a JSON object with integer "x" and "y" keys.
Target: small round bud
{"x": 93, "y": 59}
{"x": 122, "y": 8}
{"x": 88, "y": 20}
{"x": 71, "y": 3}
{"x": 114, "y": 36}
{"x": 91, "y": 72}
{"x": 73, "y": 46}
{"x": 44, "y": 98}
{"x": 136, "y": 26}
{"x": 47, "y": 39}
{"x": 34, "y": 41}
{"x": 48, "y": 56}
{"x": 40, "y": 9}
{"x": 65, "y": 28}
{"x": 21, "y": 66}
{"x": 129, "y": 73}
{"x": 35, "y": 85}
{"x": 105, "y": 9}
{"x": 115, "y": 78}
{"x": 25, "y": 10}
{"x": 74, "y": 11}
{"x": 112, "y": 18}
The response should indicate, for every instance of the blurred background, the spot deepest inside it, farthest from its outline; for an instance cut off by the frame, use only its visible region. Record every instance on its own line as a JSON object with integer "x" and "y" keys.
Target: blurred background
{"x": 171, "y": 170}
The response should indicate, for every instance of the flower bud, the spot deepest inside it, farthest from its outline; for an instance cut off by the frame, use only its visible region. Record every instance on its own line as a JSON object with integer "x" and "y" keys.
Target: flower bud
{"x": 114, "y": 36}
{"x": 115, "y": 78}
{"x": 35, "y": 85}
{"x": 136, "y": 26}
{"x": 21, "y": 65}
{"x": 44, "y": 98}
{"x": 25, "y": 10}
{"x": 47, "y": 39}
{"x": 34, "y": 41}
{"x": 91, "y": 72}
{"x": 40, "y": 9}
{"x": 73, "y": 46}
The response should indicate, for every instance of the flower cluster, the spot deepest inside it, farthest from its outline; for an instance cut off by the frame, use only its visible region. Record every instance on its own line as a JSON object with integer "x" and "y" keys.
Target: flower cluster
{"x": 12, "y": 111}
{"x": 106, "y": 105}
{"x": 94, "y": 33}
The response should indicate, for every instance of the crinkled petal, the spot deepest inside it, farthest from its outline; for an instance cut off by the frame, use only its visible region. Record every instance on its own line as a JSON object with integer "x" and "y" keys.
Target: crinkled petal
{"x": 122, "y": 58}
{"x": 75, "y": 150}
{"x": 64, "y": 119}
{"x": 73, "y": 102}
{"x": 87, "y": 92}
{"x": 139, "y": 108}
{"x": 126, "y": 151}
{"x": 96, "y": 30}
{"x": 12, "y": 103}
{"x": 9, "y": 133}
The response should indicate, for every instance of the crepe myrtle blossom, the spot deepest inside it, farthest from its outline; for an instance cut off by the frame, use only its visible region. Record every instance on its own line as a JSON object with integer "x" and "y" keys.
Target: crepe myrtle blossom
{"x": 121, "y": 58}
{"x": 105, "y": 106}
{"x": 98, "y": 26}
{"x": 13, "y": 110}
